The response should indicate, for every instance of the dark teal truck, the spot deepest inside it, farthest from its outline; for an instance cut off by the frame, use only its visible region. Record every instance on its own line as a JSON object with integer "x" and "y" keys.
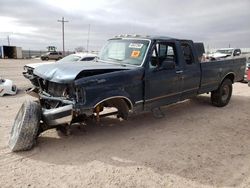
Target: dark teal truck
{"x": 132, "y": 74}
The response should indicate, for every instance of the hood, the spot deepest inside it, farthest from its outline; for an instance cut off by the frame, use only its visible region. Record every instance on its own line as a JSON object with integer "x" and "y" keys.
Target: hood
{"x": 34, "y": 65}
{"x": 68, "y": 72}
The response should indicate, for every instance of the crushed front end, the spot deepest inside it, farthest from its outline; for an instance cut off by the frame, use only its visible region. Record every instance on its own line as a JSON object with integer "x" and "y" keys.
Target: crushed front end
{"x": 57, "y": 102}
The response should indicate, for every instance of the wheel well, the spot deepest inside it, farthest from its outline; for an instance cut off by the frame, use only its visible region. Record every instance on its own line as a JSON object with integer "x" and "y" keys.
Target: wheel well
{"x": 229, "y": 76}
{"x": 127, "y": 101}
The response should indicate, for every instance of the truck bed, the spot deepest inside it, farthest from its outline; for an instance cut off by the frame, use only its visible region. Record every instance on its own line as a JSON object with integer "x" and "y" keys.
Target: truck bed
{"x": 213, "y": 72}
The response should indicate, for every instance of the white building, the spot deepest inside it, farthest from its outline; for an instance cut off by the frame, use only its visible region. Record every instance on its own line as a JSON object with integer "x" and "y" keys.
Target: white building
{"x": 11, "y": 52}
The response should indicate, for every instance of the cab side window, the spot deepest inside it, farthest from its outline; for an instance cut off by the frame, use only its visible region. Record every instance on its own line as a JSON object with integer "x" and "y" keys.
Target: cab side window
{"x": 162, "y": 52}
{"x": 187, "y": 53}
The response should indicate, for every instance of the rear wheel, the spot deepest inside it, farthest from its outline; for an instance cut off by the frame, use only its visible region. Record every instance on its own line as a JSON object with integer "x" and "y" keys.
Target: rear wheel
{"x": 25, "y": 127}
{"x": 222, "y": 95}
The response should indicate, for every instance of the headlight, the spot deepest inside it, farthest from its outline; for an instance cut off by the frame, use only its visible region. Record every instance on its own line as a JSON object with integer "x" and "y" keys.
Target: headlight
{"x": 80, "y": 95}
{"x": 25, "y": 68}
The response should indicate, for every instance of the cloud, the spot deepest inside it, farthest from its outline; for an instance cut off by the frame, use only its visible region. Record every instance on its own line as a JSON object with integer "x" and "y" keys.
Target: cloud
{"x": 217, "y": 23}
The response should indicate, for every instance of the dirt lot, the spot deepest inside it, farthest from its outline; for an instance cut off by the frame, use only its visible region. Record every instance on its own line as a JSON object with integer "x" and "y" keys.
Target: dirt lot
{"x": 195, "y": 145}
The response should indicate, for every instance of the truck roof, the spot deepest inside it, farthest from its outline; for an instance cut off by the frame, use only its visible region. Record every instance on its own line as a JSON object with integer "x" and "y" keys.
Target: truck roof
{"x": 150, "y": 37}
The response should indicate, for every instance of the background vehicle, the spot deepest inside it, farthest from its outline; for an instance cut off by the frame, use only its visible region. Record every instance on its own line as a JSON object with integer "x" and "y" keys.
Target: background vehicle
{"x": 52, "y": 56}
{"x": 78, "y": 57}
{"x": 131, "y": 74}
{"x": 247, "y": 74}
{"x": 247, "y": 70}
{"x": 225, "y": 53}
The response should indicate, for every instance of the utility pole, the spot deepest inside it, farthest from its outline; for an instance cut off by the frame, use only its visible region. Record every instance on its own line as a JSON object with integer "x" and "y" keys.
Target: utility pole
{"x": 88, "y": 39}
{"x": 63, "y": 21}
{"x": 8, "y": 38}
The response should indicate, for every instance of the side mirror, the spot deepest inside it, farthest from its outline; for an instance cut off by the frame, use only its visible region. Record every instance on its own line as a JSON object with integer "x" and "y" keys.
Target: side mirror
{"x": 167, "y": 65}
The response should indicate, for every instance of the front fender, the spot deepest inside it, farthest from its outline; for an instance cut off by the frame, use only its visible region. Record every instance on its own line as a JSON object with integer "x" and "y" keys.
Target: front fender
{"x": 111, "y": 95}
{"x": 126, "y": 84}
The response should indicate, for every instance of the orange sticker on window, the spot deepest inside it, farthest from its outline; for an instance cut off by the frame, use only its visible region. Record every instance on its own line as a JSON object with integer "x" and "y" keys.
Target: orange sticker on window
{"x": 135, "y": 53}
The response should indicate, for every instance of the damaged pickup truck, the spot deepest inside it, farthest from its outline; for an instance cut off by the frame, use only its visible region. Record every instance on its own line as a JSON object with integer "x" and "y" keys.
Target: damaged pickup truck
{"x": 132, "y": 74}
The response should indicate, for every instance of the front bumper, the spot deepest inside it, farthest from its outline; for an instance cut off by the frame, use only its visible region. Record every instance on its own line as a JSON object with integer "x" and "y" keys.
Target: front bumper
{"x": 55, "y": 116}
{"x": 58, "y": 116}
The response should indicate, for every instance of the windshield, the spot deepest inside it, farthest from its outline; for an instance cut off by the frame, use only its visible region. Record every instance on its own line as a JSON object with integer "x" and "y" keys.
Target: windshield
{"x": 124, "y": 51}
{"x": 70, "y": 58}
{"x": 225, "y": 51}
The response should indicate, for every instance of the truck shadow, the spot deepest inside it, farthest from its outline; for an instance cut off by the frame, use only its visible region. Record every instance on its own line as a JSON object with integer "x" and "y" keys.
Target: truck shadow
{"x": 194, "y": 140}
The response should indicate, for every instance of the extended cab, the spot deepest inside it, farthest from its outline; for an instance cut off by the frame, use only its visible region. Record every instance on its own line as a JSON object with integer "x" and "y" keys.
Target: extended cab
{"x": 132, "y": 74}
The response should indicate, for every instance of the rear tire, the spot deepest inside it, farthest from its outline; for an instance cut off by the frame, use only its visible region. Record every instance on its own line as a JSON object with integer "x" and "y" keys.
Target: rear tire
{"x": 222, "y": 95}
{"x": 25, "y": 127}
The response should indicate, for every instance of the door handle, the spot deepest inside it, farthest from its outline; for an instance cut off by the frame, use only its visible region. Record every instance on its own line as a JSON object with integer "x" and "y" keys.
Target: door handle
{"x": 179, "y": 72}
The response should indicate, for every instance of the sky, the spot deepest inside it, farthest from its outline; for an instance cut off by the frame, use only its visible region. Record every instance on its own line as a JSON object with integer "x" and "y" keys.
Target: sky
{"x": 33, "y": 24}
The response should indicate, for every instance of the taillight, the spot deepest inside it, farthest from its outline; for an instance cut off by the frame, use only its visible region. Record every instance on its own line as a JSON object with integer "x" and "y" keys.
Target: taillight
{"x": 248, "y": 74}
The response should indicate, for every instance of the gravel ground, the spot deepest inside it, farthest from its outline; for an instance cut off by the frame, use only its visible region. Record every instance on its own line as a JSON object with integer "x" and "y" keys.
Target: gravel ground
{"x": 194, "y": 145}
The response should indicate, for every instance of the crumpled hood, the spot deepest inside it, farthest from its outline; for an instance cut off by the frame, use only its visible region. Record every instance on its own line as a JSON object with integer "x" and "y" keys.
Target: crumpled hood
{"x": 34, "y": 65}
{"x": 67, "y": 72}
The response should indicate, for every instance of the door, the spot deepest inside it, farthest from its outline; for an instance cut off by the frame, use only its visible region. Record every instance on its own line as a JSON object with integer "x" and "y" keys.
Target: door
{"x": 53, "y": 55}
{"x": 191, "y": 74}
{"x": 162, "y": 80}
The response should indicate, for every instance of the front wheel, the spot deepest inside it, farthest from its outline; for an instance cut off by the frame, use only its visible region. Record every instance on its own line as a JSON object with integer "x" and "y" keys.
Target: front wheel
{"x": 25, "y": 127}
{"x": 222, "y": 95}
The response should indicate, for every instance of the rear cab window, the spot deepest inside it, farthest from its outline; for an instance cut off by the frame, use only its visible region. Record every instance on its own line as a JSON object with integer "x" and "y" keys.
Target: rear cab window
{"x": 187, "y": 53}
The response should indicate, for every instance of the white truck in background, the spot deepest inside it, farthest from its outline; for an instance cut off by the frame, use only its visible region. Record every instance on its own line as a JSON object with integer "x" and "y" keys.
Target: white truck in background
{"x": 225, "y": 53}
